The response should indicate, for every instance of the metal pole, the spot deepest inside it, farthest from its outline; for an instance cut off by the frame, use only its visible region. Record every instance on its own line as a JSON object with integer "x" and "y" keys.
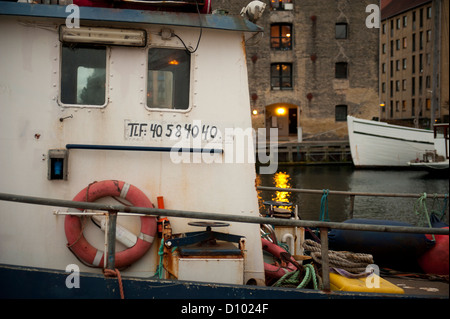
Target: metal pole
{"x": 352, "y": 205}
{"x": 436, "y": 60}
{"x": 343, "y": 193}
{"x": 110, "y": 242}
{"x": 144, "y": 211}
{"x": 325, "y": 259}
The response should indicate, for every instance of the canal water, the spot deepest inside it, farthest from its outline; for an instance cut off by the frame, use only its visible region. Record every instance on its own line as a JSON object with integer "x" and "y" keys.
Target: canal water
{"x": 347, "y": 178}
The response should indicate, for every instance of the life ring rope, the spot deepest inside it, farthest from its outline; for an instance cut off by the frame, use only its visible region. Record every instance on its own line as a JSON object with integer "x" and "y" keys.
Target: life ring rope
{"x": 74, "y": 227}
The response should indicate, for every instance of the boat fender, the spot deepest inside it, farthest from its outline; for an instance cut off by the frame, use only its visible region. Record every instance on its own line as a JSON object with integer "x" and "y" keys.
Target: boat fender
{"x": 275, "y": 272}
{"x": 390, "y": 250}
{"x": 78, "y": 244}
{"x": 436, "y": 260}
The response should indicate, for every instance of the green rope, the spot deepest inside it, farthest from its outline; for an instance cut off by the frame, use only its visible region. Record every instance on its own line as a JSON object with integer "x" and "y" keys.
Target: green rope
{"x": 306, "y": 279}
{"x": 293, "y": 278}
{"x": 324, "y": 206}
{"x": 265, "y": 235}
{"x": 283, "y": 245}
{"x": 420, "y": 208}
{"x": 160, "y": 268}
{"x": 309, "y": 274}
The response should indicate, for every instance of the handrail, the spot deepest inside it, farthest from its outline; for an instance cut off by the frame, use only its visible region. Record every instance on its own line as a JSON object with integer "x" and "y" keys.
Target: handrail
{"x": 345, "y": 193}
{"x": 218, "y": 216}
{"x": 114, "y": 209}
{"x": 352, "y": 195}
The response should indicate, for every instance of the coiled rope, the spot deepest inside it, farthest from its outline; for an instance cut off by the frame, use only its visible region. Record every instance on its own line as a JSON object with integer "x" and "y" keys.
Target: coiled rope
{"x": 354, "y": 263}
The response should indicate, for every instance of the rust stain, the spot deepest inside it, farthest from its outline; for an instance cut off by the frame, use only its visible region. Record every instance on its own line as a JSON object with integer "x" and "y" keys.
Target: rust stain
{"x": 244, "y": 51}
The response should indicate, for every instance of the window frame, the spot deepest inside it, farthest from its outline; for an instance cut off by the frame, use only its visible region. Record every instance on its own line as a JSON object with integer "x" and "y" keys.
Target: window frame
{"x": 280, "y": 77}
{"x": 280, "y": 36}
{"x": 189, "y": 90}
{"x": 336, "y": 70}
{"x": 340, "y": 24}
{"x": 279, "y": 4}
{"x": 107, "y": 71}
{"x": 341, "y": 117}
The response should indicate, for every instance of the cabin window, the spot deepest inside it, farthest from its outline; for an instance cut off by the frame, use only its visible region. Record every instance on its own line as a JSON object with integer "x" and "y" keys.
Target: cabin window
{"x": 83, "y": 75}
{"x": 168, "y": 79}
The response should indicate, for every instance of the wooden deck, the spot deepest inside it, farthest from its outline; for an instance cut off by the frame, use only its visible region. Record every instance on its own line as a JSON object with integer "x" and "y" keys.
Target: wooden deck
{"x": 324, "y": 152}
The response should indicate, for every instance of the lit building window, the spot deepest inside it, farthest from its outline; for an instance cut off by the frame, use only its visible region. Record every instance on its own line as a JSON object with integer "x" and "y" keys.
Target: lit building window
{"x": 281, "y": 36}
{"x": 281, "y": 4}
{"x": 281, "y": 76}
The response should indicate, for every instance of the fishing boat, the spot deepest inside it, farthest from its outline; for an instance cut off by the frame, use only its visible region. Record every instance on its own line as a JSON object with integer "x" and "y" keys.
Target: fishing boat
{"x": 119, "y": 123}
{"x": 97, "y": 99}
{"x": 379, "y": 144}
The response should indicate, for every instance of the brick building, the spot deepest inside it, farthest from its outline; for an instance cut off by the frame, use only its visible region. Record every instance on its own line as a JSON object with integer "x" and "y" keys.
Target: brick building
{"x": 316, "y": 63}
{"x": 414, "y": 62}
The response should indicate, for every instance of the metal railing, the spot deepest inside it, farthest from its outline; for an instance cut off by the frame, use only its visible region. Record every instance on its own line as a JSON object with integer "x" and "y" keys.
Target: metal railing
{"x": 351, "y": 195}
{"x": 113, "y": 210}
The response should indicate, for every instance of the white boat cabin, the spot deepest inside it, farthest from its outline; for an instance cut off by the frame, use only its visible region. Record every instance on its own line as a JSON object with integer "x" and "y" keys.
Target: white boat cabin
{"x": 138, "y": 96}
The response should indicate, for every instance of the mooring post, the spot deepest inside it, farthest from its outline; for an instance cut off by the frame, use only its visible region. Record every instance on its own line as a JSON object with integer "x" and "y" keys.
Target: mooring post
{"x": 325, "y": 259}
{"x": 110, "y": 242}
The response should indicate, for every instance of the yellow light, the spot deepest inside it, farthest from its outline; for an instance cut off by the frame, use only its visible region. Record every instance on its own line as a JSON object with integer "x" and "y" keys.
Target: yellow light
{"x": 255, "y": 112}
{"x": 382, "y": 105}
{"x": 282, "y": 180}
{"x": 281, "y": 111}
{"x": 173, "y": 62}
{"x": 288, "y": 35}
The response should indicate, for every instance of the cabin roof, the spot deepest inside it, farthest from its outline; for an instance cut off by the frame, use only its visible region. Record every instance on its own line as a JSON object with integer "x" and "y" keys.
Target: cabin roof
{"x": 208, "y": 21}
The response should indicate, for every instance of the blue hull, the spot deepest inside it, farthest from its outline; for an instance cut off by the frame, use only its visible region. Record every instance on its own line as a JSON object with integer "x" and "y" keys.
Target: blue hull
{"x": 36, "y": 283}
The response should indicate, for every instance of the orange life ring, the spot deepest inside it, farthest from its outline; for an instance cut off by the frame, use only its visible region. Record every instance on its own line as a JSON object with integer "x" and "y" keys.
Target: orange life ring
{"x": 78, "y": 244}
{"x": 275, "y": 272}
